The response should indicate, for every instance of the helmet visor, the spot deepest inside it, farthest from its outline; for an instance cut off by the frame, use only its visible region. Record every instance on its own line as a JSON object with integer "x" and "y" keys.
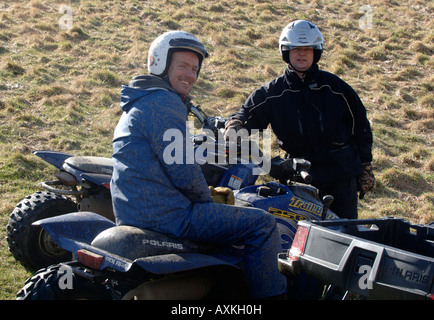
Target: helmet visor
{"x": 180, "y": 43}
{"x": 290, "y": 47}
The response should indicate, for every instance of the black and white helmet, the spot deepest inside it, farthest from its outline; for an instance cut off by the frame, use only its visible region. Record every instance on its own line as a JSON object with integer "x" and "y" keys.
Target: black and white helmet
{"x": 300, "y": 33}
{"x": 160, "y": 52}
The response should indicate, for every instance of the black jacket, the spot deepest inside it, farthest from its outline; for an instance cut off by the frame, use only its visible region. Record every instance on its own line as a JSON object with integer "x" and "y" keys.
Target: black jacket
{"x": 321, "y": 119}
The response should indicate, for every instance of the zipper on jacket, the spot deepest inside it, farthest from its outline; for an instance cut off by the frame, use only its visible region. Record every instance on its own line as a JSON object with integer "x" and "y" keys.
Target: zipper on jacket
{"x": 321, "y": 123}
{"x": 300, "y": 126}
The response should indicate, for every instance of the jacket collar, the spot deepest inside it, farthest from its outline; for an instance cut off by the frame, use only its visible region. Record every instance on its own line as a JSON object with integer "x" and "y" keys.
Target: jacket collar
{"x": 293, "y": 80}
{"x": 146, "y": 82}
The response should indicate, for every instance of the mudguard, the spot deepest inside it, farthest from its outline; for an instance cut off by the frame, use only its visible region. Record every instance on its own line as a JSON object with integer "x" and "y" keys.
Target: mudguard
{"x": 75, "y": 231}
{"x": 53, "y": 157}
{"x": 170, "y": 263}
{"x": 69, "y": 229}
{"x": 160, "y": 253}
{"x": 162, "y": 264}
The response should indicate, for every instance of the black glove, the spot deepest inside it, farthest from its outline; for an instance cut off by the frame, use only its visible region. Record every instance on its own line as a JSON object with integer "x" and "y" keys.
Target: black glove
{"x": 365, "y": 180}
{"x": 235, "y": 125}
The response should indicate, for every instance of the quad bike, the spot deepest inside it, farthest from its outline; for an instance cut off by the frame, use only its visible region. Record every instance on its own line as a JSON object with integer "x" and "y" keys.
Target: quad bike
{"x": 64, "y": 236}
{"x": 83, "y": 184}
{"x": 127, "y": 263}
{"x": 124, "y": 262}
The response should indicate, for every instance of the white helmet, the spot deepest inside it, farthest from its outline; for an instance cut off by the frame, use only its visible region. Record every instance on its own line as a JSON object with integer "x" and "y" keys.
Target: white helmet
{"x": 300, "y": 33}
{"x": 160, "y": 52}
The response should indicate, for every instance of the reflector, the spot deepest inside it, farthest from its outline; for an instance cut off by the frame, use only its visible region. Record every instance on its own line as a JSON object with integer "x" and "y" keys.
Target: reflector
{"x": 297, "y": 247}
{"x": 89, "y": 259}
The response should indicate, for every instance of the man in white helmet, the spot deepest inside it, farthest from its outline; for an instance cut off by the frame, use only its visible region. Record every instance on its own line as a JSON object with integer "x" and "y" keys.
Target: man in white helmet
{"x": 314, "y": 115}
{"x": 174, "y": 198}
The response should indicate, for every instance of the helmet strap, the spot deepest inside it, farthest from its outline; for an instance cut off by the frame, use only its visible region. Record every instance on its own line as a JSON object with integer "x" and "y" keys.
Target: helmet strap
{"x": 299, "y": 71}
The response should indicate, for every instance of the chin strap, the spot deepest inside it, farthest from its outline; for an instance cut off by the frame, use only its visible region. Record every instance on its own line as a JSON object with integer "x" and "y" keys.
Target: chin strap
{"x": 304, "y": 73}
{"x": 299, "y": 71}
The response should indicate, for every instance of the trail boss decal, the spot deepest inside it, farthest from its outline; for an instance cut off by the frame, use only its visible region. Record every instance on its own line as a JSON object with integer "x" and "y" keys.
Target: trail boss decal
{"x": 286, "y": 214}
{"x": 299, "y": 203}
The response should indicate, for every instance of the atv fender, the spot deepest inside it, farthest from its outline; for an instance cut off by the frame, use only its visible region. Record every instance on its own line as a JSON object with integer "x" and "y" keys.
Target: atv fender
{"x": 53, "y": 157}
{"x": 170, "y": 263}
{"x": 159, "y": 253}
{"x": 79, "y": 227}
{"x": 77, "y": 230}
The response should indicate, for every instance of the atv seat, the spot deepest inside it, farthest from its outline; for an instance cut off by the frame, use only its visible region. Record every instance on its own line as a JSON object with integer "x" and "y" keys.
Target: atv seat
{"x": 90, "y": 164}
{"x": 133, "y": 243}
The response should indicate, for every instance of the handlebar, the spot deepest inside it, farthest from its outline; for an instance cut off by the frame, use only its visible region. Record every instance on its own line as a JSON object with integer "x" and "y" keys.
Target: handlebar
{"x": 306, "y": 176}
{"x": 293, "y": 169}
{"x": 198, "y": 112}
{"x": 211, "y": 123}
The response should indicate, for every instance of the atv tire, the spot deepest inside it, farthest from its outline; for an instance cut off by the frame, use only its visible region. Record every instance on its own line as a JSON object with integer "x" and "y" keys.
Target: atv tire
{"x": 59, "y": 282}
{"x": 29, "y": 244}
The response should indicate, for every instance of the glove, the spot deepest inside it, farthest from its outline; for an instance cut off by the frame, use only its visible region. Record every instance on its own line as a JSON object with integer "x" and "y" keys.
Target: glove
{"x": 222, "y": 195}
{"x": 234, "y": 124}
{"x": 366, "y": 180}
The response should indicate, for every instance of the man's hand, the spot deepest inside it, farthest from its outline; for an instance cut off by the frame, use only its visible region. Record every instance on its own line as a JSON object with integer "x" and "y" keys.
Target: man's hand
{"x": 366, "y": 180}
{"x": 222, "y": 195}
{"x": 233, "y": 126}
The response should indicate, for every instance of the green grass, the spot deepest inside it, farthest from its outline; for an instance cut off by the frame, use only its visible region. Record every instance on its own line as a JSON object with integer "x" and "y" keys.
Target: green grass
{"x": 59, "y": 89}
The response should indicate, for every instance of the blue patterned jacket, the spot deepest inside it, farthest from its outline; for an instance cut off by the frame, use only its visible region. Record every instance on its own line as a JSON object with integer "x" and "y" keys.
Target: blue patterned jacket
{"x": 146, "y": 191}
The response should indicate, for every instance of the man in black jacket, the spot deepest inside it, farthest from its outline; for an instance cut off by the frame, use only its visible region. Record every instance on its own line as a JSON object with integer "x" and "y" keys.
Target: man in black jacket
{"x": 317, "y": 116}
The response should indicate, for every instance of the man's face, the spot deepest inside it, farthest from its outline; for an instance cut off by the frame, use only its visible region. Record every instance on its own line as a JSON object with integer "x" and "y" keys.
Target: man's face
{"x": 183, "y": 71}
{"x": 301, "y": 58}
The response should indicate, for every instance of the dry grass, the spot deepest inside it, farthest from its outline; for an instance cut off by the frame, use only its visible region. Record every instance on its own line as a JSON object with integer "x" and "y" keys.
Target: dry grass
{"x": 59, "y": 88}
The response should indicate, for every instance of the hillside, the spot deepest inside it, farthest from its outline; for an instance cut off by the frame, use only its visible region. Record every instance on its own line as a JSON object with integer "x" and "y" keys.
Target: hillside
{"x": 62, "y": 64}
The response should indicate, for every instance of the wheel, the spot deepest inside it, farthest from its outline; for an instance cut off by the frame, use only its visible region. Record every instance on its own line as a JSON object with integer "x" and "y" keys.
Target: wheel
{"x": 59, "y": 282}
{"x": 31, "y": 245}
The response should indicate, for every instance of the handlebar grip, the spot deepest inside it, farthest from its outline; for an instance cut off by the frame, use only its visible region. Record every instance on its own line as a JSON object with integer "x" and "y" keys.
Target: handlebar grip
{"x": 306, "y": 176}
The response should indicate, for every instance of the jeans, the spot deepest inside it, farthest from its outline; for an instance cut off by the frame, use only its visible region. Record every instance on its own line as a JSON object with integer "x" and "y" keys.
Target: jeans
{"x": 251, "y": 227}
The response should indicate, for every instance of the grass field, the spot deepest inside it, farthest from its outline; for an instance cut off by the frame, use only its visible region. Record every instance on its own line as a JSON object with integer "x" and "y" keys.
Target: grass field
{"x": 62, "y": 64}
